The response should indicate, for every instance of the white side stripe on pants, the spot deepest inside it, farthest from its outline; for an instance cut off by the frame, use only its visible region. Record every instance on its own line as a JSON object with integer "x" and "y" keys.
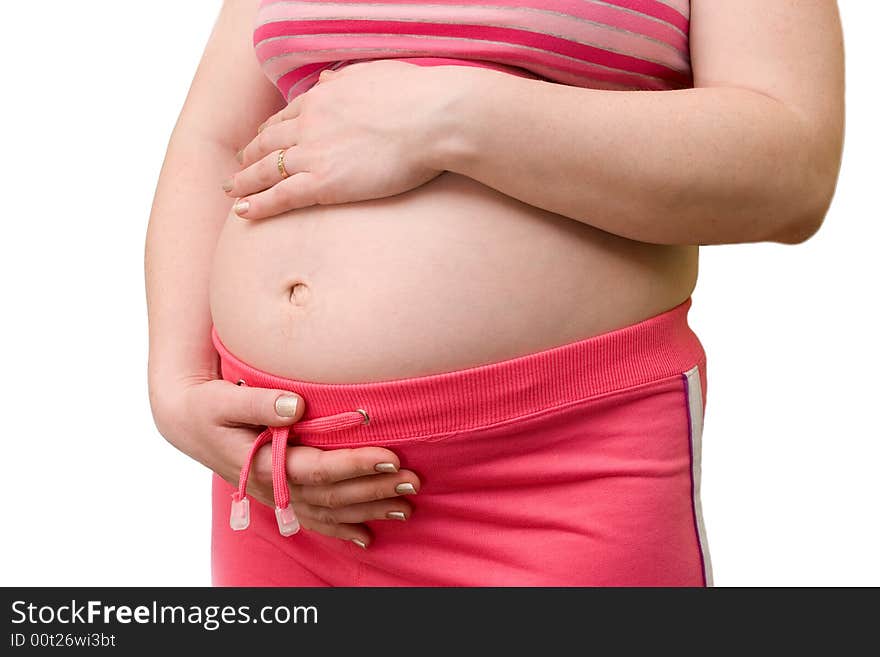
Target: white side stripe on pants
{"x": 695, "y": 414}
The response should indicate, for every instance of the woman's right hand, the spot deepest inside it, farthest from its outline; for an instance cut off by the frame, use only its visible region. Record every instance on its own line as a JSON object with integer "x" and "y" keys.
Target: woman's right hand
{"x": 332, "y": 491}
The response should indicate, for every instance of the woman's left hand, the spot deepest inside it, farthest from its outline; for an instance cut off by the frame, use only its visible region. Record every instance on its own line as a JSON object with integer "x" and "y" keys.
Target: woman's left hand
{"x": 361, "y": 133}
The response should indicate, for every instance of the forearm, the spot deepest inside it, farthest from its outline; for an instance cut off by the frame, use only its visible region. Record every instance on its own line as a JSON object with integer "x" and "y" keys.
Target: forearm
{"x": 693, "y": 166}
{"x": 188, "y": 212}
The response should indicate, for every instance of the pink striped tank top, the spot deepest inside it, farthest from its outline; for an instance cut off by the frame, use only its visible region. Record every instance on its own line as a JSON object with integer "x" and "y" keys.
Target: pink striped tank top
{"x": 601, "y": 44}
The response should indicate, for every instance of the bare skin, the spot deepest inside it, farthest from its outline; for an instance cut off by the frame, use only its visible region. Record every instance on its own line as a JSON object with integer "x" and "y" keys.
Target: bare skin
{"x": 449, "y": 275}
{"x": 482, "y": 262}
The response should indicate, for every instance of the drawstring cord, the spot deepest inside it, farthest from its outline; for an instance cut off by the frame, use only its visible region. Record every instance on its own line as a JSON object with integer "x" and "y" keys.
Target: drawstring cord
{"x": 239, "y": 516}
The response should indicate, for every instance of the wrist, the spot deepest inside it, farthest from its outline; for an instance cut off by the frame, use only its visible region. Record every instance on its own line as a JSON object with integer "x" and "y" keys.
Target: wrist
{"x": 167, "y": 387}
{"x": 174, "y": 361}
{"x": 449, "y": 143}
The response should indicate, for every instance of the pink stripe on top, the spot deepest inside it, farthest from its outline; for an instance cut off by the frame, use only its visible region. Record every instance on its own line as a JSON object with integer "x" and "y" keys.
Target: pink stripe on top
{"x": 607, "y": 44}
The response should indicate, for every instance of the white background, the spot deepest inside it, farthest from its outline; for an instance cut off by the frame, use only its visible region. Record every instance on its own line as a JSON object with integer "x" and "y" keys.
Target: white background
{"x": 91, "y": 494}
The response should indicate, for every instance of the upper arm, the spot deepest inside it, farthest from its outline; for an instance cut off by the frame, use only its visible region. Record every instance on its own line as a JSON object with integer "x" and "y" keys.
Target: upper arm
{"x": 230, "y": 96}
{"x": 789, "y": 50}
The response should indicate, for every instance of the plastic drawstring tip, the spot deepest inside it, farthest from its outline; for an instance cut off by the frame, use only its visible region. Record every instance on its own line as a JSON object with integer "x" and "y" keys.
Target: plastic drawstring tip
{"x": 240, "y": 515}
{"x": 287, "y": 522}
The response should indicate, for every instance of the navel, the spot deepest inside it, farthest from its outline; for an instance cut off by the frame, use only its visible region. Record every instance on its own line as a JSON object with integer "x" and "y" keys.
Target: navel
{"x": 299, "y": 294}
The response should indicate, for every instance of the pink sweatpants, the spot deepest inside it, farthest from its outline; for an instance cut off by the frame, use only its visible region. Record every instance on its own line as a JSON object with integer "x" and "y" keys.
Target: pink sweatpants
{"x": 578, "y": 465}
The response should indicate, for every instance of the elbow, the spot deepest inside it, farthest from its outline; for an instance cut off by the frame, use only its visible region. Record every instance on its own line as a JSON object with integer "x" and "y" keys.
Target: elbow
{"x": 810, "y": 200}
{"x": 807, "y": 216}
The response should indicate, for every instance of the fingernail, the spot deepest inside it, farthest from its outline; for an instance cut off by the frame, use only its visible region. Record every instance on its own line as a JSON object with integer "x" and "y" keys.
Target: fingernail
{"x": 227, "y": 185}
{"x": 405, "y": 489}
{"x": 396, "y": 515}
{"x": 286, "y": 405}
{"x": 241, "y": 207}
{"x": 240, "y": 156}
{"x": 385, "y": 467}
{"x": 359, "y": 543}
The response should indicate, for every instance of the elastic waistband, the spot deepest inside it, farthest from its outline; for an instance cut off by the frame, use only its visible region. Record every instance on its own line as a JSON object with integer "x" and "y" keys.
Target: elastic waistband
{"x": 438, "y": 404}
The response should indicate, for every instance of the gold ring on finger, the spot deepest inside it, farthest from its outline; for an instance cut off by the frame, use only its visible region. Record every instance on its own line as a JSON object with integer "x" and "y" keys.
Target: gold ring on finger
{"x": 281, "y": 168}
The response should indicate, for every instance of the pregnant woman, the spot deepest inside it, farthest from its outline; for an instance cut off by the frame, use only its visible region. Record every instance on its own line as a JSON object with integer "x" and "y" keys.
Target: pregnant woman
{"x": 419, "y": 275}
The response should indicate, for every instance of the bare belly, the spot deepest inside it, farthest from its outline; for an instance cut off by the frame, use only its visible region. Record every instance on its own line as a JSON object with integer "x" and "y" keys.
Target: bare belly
{"x": 450, "y": 275}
